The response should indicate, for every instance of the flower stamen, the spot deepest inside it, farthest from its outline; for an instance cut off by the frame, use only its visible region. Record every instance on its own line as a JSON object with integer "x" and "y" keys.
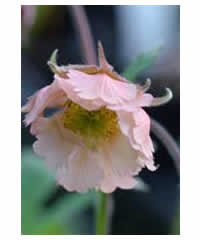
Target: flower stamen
{"x": 94, "y": 127}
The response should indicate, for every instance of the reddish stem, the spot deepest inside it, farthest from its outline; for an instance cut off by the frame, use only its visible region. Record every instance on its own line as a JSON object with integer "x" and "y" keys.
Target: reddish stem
{"x": 83, "y": 28}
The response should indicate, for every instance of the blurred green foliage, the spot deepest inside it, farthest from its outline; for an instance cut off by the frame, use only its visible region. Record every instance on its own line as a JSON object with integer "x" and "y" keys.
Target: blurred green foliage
{"x": 45, "y": 19}
{"x": 175, "y": 229}
{"x": 140, "y": 63}
{"x": 37, "y": 185}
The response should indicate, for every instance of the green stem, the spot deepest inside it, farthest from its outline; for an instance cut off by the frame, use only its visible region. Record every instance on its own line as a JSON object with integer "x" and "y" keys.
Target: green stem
{"x": 102, "y": 214}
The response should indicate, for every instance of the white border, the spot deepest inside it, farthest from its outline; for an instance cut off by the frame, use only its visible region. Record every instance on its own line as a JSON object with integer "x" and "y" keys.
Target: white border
{"x": 10, "y": 62}
{"x": 11, "y": 123}
{"x": 190, "y": 120}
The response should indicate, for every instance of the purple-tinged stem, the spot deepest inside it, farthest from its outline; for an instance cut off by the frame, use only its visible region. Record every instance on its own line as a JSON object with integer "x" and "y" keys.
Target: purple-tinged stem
{"x": 83, "y": 28}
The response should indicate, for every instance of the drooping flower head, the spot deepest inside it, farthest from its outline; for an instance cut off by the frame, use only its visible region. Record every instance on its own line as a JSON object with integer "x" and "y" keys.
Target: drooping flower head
{"x": 100, "y": 137}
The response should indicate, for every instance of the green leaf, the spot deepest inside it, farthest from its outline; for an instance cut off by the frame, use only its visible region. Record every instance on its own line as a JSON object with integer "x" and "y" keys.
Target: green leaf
{"x": 44, "y": 19}
{"x": 140, "y": 63}
{"x": 37, "y": 185}
{"x": 35, "y": 176}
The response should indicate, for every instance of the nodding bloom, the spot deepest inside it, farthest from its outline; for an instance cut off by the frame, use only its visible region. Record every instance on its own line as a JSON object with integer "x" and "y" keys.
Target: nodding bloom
{"x": 100, "y": 136}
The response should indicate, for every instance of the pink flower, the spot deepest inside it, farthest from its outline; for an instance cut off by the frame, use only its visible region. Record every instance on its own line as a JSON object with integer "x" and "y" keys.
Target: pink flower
{"x": 99, "y": 138}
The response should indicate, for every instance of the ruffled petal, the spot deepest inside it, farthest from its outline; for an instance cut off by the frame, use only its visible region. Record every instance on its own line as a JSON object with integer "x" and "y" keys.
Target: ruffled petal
{"x": 111, "y": 182}
{"x": 142, "y": 131}
{"x": 51, "y": 144}
{"x": 141, "y": 100}
{"x": 83, "y": 172}
{"x": 120, "y": 162}
{"x": 49, "y": 96}
{"x": 101, "y": 86}
{"x": 136, "y": 126}
{"x": 120, "y": 157}
{"x": 66, "y": 86}
{"x": 77, "y": 169}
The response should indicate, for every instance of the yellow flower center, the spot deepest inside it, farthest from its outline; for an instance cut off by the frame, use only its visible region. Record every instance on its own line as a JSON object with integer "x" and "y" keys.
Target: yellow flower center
{"x": 95, "y": 127}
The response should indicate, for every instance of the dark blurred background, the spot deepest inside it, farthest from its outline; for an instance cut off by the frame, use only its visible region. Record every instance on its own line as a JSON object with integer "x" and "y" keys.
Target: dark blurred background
{"x": 125, "y": 32}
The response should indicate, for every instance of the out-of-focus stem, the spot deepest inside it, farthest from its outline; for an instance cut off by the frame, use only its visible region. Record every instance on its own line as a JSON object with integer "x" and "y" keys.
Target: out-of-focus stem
{"x": 102, "y": 214}
{"x": 83, "y": 28}
{"x": 167, "y": 140}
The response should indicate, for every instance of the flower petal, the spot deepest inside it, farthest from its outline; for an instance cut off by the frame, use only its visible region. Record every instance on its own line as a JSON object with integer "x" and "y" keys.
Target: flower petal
{"x": 120, "y": 163}
{"x": 142, "y": 131}
{"x": 50, "y": 143}
{"x": 141, "y": 100}
{"x": 120, "y": 157}
{"x": 83, "y": 171}
{"x": 136, "y": 126}
{"x": 101, "y": 86}
{"x": 77, "y": 169}
{"x": 66, "y": 86}
{"x": 49, "y": 96}
{"x": 110, "y": 183}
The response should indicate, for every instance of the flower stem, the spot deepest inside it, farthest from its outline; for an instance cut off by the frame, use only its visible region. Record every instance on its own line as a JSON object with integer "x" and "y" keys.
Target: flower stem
{"x": 102, "y": 214}
{"x": 168, "y": 141}
{"x": 83, "y": 29}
